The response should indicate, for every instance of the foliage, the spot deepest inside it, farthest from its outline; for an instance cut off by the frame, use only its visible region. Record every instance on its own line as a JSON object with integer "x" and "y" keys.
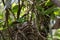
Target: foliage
{"x": 28, "y": 14}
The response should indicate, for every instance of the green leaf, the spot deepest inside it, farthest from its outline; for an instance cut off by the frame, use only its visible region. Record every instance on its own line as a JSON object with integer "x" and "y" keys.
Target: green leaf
{"x": 40, "y": 9}
{"x": 57, "y": 11}
{"x": 22, "y": 20}
{"x": 1, "y": 28}
{"x": 50, "y": 10}
{"x": 15, "y": 8}
{"x": 48, "y": 3}
{"x": 1, "y": 15}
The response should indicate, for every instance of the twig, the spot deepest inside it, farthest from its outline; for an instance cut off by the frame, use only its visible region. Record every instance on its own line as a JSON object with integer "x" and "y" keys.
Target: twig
{"x": 19, "y": 9}
{"x": 26, "y": 12}
{"x": 9, "y": 9}
{"x": 16, "y": 35}
{"x": 6, "y": 19}
{"x": 12, "y": 13}
{"x": 22, "y": 34}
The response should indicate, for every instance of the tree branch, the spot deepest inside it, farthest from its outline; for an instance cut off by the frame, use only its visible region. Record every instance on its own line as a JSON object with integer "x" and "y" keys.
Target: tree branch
{"x": 19, "y": 9}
